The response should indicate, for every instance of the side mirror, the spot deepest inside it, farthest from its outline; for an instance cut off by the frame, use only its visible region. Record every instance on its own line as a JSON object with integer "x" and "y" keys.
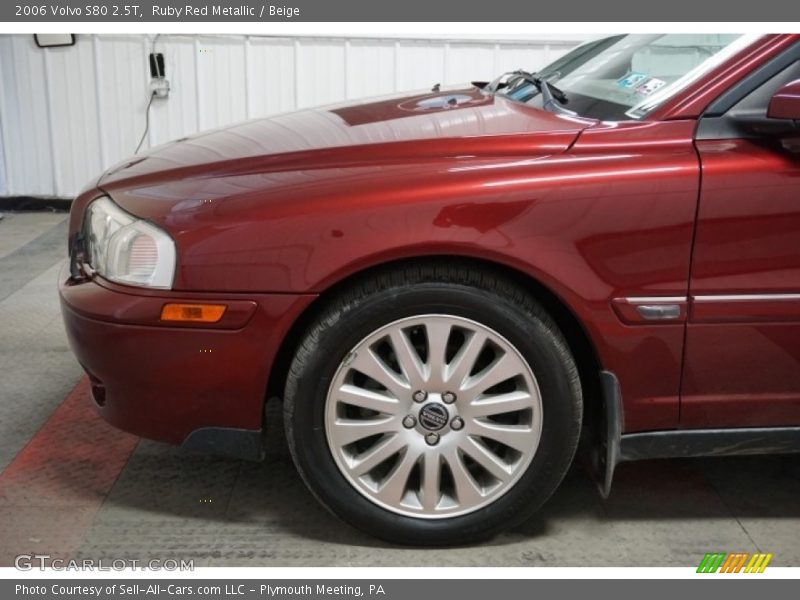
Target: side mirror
{"x": 54, "y": 40}
{"x": 785, "y": 103}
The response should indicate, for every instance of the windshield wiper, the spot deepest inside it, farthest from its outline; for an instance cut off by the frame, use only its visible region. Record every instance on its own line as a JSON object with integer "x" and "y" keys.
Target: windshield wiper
{"x": 553, "y": 98}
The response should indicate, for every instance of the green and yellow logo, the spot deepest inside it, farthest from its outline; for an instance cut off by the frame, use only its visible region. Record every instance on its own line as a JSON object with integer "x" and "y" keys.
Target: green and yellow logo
{"x": 737, "y": 562}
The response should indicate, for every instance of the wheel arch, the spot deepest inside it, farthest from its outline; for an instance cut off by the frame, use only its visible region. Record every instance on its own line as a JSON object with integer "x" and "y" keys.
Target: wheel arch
{"x": 578, "y": 338}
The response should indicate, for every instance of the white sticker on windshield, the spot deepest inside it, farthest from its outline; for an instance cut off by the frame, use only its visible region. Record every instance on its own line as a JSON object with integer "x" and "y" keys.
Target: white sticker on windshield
{"x": 650, "y": 86}
{"x": 631, "y": 80}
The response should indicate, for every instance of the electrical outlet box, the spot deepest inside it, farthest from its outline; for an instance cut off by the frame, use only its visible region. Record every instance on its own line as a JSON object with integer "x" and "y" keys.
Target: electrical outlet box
{"x": 160, "y": 87}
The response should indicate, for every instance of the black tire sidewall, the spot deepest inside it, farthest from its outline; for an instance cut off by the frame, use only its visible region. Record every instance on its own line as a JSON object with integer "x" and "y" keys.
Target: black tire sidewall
{"x": 531, "y": 336}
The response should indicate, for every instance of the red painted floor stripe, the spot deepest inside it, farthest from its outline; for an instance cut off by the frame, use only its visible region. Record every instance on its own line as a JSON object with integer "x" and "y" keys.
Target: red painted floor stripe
{"x": 52, "y": 490}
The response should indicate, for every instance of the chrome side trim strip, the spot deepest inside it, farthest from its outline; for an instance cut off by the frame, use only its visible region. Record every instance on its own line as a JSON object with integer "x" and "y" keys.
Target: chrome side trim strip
{"x": 654, "y": 299}
{"x": 745, "y": 297}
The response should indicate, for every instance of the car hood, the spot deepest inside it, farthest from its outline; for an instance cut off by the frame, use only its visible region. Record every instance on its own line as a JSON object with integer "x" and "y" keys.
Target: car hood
{"x": 453, "y": 122}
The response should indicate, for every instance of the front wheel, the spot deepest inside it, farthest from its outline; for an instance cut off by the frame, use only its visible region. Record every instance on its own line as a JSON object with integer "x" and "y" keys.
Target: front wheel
{"x": 433, "y": 406}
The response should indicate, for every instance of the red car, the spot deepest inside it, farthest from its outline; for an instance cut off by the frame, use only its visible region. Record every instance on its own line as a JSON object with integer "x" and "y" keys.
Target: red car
{"x": 449, "y": 289}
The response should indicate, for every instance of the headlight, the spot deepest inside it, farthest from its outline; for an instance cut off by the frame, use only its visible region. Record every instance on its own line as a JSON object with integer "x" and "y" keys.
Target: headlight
{"x": 127, "y": 250}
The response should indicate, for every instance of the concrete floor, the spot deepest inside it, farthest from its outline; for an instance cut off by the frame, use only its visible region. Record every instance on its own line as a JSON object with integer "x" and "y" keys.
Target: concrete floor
{"x": 59, "y": 495}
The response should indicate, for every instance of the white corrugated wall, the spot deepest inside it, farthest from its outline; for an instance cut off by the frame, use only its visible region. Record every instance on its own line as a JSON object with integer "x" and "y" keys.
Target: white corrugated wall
{"x": 68, "y": 113}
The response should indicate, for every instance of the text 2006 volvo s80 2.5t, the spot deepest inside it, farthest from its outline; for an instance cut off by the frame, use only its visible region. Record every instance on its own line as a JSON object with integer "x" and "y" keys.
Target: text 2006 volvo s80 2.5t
{"x": 449, "y": 289}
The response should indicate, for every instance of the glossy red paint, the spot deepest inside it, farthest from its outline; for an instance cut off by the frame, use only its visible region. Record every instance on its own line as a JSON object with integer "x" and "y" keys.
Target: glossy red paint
{"x": 785, "y": 104}
{"x": 743, "y": 342}
{"x": 269, "y": 214}
{"x": 137, "y": 309}
{"x": 165, "y": 381}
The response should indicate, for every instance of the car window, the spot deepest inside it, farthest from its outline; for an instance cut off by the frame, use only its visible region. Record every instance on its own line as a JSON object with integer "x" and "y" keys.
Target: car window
{"x": 630, "y": 77}
{"x": 746, "y": 117}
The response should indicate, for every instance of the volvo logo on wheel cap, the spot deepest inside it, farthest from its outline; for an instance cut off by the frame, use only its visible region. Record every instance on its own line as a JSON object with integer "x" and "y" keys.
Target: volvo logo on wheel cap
{"x": 433, "y": 416}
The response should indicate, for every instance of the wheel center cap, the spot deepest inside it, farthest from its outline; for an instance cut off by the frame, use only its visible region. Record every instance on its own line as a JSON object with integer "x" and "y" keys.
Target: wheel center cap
{"x": 433, "y": 416}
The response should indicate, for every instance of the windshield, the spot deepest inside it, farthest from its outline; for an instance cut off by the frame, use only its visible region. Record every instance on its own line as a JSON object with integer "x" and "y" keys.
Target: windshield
{"x": 626, "y": 77}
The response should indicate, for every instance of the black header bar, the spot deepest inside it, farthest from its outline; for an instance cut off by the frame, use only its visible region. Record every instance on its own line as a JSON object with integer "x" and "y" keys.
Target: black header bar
{"x": 254, "y": 11}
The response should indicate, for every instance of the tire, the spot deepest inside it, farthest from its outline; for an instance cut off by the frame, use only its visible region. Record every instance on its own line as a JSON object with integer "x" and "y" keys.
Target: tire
{"x": 467, "y": 497}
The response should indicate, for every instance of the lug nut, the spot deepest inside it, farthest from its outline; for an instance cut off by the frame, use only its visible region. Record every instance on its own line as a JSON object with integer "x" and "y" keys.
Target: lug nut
{"x": 448, "y": 397}
{"x": 457, "y": 423}
{"x": 432, "y": 438}
{"x": 409, "y": 422}
{"x": 420, "y": 396}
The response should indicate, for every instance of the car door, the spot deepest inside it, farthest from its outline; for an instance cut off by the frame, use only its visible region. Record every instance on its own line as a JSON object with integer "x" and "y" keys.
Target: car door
{"x": 742, "y": 349}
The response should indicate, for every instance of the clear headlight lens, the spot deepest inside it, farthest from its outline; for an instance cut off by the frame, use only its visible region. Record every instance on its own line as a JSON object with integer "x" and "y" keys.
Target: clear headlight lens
{"x": 128, "y": 250}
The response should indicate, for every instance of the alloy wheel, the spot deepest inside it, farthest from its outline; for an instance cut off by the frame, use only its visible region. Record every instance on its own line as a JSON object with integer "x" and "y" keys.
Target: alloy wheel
{"x": 433, "y": 416}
